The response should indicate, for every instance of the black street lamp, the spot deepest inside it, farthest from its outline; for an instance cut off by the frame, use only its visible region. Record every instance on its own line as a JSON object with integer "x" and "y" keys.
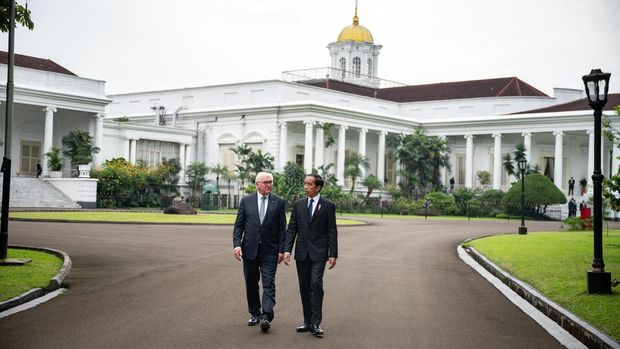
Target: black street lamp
{"x": 597, "y": 86}
{"x": 522, "y": 164}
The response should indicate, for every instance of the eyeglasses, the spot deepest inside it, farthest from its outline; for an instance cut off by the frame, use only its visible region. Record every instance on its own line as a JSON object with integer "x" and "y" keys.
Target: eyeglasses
{"x": 266, "y": 182}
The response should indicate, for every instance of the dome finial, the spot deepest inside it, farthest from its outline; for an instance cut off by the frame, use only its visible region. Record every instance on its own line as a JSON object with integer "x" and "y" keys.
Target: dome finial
{"x": 356, "y": 20}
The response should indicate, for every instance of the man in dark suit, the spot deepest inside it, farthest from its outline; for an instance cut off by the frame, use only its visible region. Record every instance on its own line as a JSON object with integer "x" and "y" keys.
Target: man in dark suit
{"x": 571, "y": 186}
{"x": 258, "y": 240}
{"x": 313, "y": 225}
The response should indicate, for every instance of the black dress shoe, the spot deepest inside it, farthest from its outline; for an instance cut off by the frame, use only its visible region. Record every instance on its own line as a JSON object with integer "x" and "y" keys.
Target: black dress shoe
{"x": 304, "y": 328}
{"x": 265, "y": 325}
{"x": 253, "y": 321}
{"x": 316, "y": 330}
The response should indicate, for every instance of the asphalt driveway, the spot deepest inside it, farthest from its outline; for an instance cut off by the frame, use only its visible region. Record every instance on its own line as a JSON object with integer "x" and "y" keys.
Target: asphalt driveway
{"x": 398, "y": 284}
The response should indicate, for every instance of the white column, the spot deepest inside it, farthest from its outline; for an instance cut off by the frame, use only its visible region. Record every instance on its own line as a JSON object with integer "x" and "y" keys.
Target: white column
{"x": 615, "y": 162}
{"x": 342, "y": 134}
{"x": 126, "y": 149}
{"x": 308, "y": 146}
{"x": 283, "y": 145}
{"x": 319, "y": 148}
{"x": 98, "y": 158}
{"x": 362, "y": 151}
{"x": 47, "y": 136}
{"x": 133, "y": 150}
{"x": 557, "y": 169}
{"x": 381, "y": 157}
{"x": 527, "y": 141}
{"x": 497, "y": 161}
{"x": 189, "y": 155}
{"x": 442, "y": 170}
{"x": 469, "y": 161}
{"x": 591, "y": 157}
{"x": 182, "y": 162}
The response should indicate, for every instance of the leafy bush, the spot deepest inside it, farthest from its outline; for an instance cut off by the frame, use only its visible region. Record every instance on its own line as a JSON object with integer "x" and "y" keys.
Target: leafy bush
{"x": 576, "y": 223}
{"x": 539, "y": 192}
{"x": 491, "y": 202}
{"x": 442, "y": 203}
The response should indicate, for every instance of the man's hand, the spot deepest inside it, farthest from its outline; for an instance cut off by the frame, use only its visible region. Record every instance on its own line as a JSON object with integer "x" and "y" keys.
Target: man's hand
{"x": 332, "y": 262}
{"x": 237, "y": 253}
{"x": 287, "y": 258}
{"x": 280, "y": 257}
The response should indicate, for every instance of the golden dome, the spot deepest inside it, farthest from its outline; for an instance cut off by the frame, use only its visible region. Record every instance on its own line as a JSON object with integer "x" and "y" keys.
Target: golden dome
{"x": 355, "y": 32}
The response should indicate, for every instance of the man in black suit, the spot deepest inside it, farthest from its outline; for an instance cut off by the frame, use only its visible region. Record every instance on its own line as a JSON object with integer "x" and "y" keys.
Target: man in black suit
{"x": 313, "y": 225}
{"x": 258, "y": 240}
{"x": 571, "y": 186}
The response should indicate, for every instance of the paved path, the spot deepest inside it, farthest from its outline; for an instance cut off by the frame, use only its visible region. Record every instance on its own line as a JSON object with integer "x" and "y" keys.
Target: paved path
{"x": 398, "y": 284}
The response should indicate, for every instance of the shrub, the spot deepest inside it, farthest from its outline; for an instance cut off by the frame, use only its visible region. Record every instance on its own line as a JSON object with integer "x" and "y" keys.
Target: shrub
{"x": 539, "y": 192}
{"x": 442, "y": 202}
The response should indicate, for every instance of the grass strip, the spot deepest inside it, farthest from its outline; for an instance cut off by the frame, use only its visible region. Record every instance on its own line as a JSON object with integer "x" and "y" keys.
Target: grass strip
{"x": 555, "y": 263}
{"x": 141, "y": 217}
{"x": 15, "y": 280}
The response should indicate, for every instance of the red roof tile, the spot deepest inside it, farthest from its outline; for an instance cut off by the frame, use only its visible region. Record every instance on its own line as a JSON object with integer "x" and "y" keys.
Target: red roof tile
{"x": 613, "y": 100}
{"x": 35, "y": 63}
{"x": 501, "y": 87}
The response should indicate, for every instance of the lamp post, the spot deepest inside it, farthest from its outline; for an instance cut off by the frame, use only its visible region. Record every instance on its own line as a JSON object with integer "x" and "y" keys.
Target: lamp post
{"x": 597, "y": 86}
{"x": 522, "y": 164}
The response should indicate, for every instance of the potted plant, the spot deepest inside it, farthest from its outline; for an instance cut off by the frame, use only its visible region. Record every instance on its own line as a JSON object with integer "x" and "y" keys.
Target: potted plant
{"x": 80, "y": 147}
{"x": 584, "y": 186}
{"x": 54, "y": 162}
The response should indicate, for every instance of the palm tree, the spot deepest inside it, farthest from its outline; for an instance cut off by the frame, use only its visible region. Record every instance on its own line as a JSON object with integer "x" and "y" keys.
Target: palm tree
{"x": 229, "y": 176}
{"x": 218, "y": 170}
{"x": 508, "y": 165}
{"x": 371, "y": 182}
{"x": 352, "y": 167}
{"x": 259, "y": 162}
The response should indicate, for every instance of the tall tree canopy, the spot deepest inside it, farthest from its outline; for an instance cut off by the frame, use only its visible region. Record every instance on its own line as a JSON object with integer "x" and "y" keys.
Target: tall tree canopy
{"x": 421, "y": 157}
{"x": 22, "y": 16}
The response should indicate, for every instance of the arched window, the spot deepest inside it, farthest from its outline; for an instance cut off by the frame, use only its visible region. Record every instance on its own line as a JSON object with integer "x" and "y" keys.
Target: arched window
{"x": 357, "y": 66}
{"x": 370, "y": 67}
{"x": 343, "y": 67}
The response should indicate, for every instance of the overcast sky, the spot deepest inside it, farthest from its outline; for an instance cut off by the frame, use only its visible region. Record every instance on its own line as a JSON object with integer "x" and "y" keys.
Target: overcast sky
{"x": 138, "y": 45}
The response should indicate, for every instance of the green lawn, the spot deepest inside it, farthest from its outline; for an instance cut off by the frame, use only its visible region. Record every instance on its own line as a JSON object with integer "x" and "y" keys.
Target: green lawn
{"x": 142, "y": 217}
{"x": 415, "y": 217}
{"x": 15, "y": 280}
{"x": 555, "y": 263}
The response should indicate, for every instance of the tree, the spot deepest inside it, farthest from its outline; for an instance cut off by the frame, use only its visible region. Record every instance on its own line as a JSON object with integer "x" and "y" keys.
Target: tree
{"x": 539, "y": 193}
{"x": 22, "y": 16}
{"x": 196, "y": 177}
{"x": 484, "y": 177}
{"x": 327, "y": 133}
{"x": 519, "y": 154}
{"x": 352, "y": 167}
{"x": 611, "y": 186}
{"x": 291, "y": 187}
{"x": 326, "y": 173}
{"x": 79, "y": 146}
{"x": 371, "y": 182}
{"x": 243, "y": 153}
{"x": 421, "y": 157}
{"x": 229, "y": 176}
{"x": 168, "y": 175}
{"x": 259, "y": 162}
{"x": 218, "y": 170}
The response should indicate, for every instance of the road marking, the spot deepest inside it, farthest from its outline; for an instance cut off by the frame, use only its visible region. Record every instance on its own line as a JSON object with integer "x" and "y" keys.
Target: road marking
{"x": 565, "y": 338}
{"x": 33, "y": 303}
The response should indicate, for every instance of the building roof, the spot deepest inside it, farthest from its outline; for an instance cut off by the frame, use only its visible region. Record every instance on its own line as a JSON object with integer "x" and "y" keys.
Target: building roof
{"x": 35, "y": 63}
{"x": 613, "y": 100}
{"x": 500, "y": 87}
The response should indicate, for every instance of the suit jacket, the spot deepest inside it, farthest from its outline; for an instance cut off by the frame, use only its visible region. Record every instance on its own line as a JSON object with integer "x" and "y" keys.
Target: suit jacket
{"x": 316, "y": 237}
{"x": 249, "y": 233}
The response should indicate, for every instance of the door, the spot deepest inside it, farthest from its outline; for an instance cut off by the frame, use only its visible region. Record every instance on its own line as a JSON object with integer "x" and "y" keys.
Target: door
{"x": 30, "y": 155}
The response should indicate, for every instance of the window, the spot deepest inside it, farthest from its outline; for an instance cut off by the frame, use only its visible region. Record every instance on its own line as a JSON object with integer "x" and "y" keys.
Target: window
{"x": 460, "y": 169}
{"x": 153, "y": 152}
{"x": 343, "y": 67}
{"x": 227, "y": 156}
{"x": 357, "y": 66}
{"x": 370, "y": 67}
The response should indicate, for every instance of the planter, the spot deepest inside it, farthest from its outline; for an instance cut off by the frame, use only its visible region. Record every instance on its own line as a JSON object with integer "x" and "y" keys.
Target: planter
{"x": 55, "y": 174}
{"x": 84, "y": 171}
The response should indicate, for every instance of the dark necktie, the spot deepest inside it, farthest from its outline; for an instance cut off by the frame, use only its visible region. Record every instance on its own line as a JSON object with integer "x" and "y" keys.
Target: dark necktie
{"x": 262, "y": 209}
{"x": 310, "y": 208}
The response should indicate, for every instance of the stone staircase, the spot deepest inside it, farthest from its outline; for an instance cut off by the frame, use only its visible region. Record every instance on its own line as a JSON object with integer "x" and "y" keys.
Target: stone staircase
{"x": 36, "y": 193}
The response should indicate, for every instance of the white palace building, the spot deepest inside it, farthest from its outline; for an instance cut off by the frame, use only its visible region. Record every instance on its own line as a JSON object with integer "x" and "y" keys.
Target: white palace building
{"x": 481, "y": 119}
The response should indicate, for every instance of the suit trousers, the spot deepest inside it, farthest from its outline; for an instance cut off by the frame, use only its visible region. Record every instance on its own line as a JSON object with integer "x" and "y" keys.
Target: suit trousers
{"x": 310, "y": 275}
{"x": 253, "y": 270}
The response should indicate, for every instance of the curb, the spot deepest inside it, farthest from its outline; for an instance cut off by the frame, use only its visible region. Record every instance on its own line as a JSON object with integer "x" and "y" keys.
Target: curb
{"x": 54, "y": 283}
{"x": 583, "y": 331}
